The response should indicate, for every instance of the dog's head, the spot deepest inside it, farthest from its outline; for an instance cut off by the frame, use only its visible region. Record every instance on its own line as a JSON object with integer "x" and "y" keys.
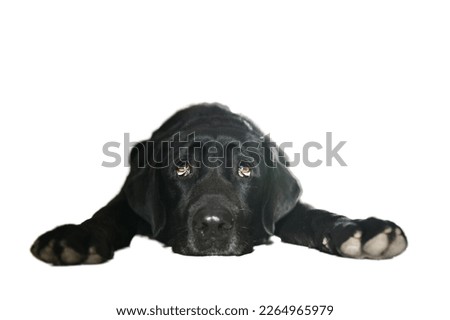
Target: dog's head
{"x": 208, "y": 183}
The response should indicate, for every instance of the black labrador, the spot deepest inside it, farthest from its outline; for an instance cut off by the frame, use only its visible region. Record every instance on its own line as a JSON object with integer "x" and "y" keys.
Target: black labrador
{"x": 208, "y": 182}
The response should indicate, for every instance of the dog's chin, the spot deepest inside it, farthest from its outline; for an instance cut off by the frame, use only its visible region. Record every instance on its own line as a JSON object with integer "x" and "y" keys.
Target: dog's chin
{"x": 212, "y": 248}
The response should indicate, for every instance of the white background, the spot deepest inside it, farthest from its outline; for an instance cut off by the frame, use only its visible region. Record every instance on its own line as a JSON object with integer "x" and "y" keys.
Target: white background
{"x": 74, "y": 75}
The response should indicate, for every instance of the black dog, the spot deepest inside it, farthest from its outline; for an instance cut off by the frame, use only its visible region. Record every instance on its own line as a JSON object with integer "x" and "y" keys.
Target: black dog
{"x": 208, "y": 183}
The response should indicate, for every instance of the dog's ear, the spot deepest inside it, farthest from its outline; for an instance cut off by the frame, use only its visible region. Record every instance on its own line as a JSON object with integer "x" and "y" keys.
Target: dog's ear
{"x": 283, "y": 189}
{"x": 142, "y": 188}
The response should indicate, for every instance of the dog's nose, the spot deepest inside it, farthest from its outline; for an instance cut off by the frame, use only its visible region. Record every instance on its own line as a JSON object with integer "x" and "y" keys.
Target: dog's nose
{"x": 213, "y": 224}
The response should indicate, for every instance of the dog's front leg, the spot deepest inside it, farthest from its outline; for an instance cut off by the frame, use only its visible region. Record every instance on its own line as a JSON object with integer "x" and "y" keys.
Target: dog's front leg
{"x": 370, "y": 238}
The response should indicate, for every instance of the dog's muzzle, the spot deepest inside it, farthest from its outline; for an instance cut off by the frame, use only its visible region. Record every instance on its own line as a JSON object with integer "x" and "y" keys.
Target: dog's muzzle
{"x": 213, "y": 231}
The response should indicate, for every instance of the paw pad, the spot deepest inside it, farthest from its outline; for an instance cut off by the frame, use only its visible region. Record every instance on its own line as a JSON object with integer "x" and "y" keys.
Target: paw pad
{"x": 70, "y": 245}
{"x": 352, "y": 247}
{"x": 383, "y": 245}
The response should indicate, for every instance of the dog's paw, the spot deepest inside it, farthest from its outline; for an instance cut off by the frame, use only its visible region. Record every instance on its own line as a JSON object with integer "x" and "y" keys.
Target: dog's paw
{"x": 70, "y": 245}
{"x": 370, "y": 238}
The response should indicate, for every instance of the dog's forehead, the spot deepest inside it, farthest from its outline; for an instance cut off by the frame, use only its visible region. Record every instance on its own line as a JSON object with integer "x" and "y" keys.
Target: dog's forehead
{"x": 218, "y": 135}
{"x": 215, "y": 141}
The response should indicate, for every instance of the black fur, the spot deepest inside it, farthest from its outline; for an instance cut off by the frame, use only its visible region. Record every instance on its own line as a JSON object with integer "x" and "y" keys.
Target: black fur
{"x": 212, "y": 210}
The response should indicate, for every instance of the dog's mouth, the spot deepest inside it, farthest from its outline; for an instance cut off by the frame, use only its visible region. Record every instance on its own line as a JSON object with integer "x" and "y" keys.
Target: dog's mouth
{"x": 201, "y": 244}
{"x": 214, "y": 248}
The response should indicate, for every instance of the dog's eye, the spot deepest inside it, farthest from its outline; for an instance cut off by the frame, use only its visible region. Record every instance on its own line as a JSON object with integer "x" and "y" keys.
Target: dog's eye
{"x": 244, "y": 171}
{"x": 183, "y": 170}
